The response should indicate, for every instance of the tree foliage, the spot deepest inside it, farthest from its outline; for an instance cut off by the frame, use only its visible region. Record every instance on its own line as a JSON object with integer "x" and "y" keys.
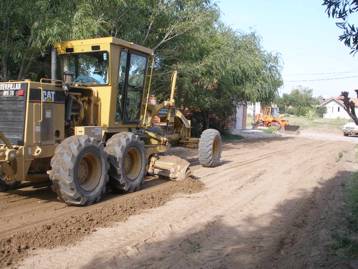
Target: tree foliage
{"x": 341, "y": 10}
{"x": 298, "y": 102}
{"x": 217, "y": 65}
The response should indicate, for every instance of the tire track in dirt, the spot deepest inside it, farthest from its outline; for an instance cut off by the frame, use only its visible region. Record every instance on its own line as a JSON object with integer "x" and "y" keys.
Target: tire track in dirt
{"x": 18, "y": 244}
{"x": 255, "y": 203}
{"x": 230, "y": 221}
{"x": 262, "y": 157}
{"x": 265, "y": 167}
{"x": 78, "y": 222}
{"x": 295, "y": 213}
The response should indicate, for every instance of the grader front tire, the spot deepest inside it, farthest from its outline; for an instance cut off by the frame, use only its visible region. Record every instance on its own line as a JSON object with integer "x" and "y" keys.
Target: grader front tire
{"x": 210, "y": 147}
{"x": 79, "y": 171}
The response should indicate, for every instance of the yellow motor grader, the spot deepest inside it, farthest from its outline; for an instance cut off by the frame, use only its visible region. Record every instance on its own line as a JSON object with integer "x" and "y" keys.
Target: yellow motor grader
{"x": 270, "y": 116}
{"x": 95, "y": 126}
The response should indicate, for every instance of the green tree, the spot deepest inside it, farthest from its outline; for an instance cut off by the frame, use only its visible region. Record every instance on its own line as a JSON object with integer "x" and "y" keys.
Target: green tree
{"x": 341, "y": 10}
{"x": 298, "y": 102}
{"x": 218, "y": 67}
{"x": 320, "y": 111}
{"x": 30, "y": 27}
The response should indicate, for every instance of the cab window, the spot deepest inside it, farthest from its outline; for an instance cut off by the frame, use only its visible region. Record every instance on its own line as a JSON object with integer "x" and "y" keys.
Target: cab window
{"x": 131, "y": 79}
{"x": 137, "y": 68}
{"x": 121, "y": 84}
{"x": 87, "y": 68}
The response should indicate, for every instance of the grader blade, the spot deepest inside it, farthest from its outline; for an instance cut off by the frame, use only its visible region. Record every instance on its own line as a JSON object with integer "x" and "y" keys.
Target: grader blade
{"x": 170, "y": 166}
{"x": 292, "y": 128}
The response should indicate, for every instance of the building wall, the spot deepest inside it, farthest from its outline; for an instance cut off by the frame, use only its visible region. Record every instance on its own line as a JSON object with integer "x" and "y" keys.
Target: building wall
{"x": 251, "y": 107}
{"x": 241, "y": 114}
{"x": 335, "y": 111}
{"x": 238, "y": 121}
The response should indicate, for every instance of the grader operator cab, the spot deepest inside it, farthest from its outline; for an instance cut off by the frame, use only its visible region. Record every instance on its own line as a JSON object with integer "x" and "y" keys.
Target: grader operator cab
{"x": 94, "y": 127}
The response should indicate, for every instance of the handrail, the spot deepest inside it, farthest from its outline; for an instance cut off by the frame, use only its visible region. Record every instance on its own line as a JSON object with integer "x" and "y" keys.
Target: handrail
{"x": 51, "y": 81}
{"x": 148, "y": 94}
{"x": 41, "y": 104}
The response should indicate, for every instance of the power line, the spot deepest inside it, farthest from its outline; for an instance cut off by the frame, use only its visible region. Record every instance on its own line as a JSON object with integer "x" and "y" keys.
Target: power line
{"x": 322, "y": 79}
{"x": 322, "y": 73}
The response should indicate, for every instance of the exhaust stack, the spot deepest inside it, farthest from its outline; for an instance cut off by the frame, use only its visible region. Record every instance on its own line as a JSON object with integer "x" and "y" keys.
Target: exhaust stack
{"x": 53, "y": 63}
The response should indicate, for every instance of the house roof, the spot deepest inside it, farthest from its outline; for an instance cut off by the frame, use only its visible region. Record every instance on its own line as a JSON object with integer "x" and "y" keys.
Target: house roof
{"x": 339, "y": 100}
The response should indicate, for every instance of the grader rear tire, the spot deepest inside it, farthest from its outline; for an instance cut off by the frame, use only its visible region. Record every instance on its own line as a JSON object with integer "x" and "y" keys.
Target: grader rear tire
{"x": 210, "y": 147}
{"x": 127, "y": 161}
{"x": 79, "y": 171}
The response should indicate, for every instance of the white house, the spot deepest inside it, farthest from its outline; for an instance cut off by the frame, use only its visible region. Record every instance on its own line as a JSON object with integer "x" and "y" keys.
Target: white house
{"x": 335, "y": 108}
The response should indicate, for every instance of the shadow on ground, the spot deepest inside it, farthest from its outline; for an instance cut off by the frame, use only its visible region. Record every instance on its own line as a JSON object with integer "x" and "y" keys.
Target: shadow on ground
{"x": 299, "y": 236}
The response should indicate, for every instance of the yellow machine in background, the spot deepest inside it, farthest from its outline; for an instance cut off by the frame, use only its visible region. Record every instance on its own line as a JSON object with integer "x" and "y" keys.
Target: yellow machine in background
{"x": 270, "y": 117}
{"x": 95, "y": 125}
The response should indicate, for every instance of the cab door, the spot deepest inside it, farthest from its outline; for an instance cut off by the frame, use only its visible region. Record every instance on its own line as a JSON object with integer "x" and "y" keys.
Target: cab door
{"x": 132, "y": 73}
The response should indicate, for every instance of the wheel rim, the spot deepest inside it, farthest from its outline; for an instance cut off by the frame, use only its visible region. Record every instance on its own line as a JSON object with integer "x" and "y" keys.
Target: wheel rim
{"x": 132, "y": 163}
{"x": 89, "y": 172}
{"x": 216, "y": 147}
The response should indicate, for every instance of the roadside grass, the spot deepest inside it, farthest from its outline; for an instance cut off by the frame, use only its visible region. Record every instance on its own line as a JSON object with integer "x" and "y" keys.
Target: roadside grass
{"x": 249, "y": 121}
{"x": 271, "y": 130}
{"x": 352, "y": 203}
{"x": 316, "y": 123}
{"x": 346, "y": 244}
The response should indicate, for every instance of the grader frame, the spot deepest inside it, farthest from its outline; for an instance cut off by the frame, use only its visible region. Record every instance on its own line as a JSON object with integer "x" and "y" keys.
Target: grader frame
{"x": 94, "y": 127}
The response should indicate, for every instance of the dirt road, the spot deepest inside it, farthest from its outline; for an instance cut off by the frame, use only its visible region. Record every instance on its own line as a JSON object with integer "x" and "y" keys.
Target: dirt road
{"x": 265, "y": 207}
{"x": 327, "y": 136}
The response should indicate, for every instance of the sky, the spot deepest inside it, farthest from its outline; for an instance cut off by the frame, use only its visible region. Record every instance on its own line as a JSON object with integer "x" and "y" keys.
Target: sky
{"x": 304, "y": 36}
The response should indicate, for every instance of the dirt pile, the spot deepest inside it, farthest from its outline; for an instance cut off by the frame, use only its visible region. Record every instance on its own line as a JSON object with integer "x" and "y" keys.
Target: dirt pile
{"x": 71, "y": 227}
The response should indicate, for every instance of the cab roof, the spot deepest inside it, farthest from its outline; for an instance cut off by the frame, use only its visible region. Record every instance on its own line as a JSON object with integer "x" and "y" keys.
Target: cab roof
{"x": 97, "y": 44}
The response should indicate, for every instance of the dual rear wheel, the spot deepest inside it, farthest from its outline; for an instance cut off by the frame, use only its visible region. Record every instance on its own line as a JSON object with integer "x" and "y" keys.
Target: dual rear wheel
{"x": 81, "y": 171}
{"x": 82, "y": 167}
{"x": 127, "y": 161}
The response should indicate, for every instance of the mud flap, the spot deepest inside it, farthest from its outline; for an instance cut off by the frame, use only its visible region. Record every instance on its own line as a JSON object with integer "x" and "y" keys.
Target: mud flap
{"x": 169, "y": 166}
